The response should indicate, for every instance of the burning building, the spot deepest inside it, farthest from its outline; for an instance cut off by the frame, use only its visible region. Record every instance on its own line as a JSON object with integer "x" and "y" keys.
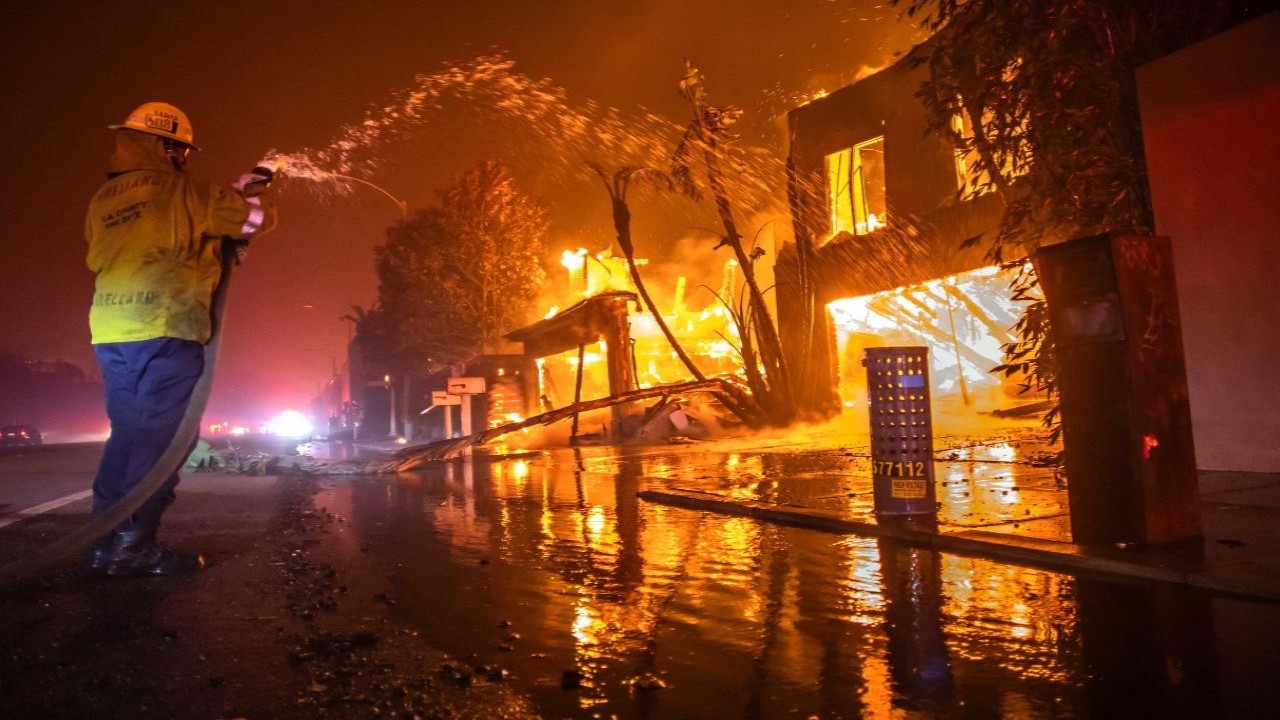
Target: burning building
{"x": 879, "y": 222}
{"x": 877, "y": 258}
{"x": 605, "y": 343}
{"x": 881, "y": 211}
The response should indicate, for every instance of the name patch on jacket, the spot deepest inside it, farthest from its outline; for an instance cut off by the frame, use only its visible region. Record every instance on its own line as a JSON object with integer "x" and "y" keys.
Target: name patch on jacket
{"x": 123, "y": 215}
{"x": 138, "y": 297}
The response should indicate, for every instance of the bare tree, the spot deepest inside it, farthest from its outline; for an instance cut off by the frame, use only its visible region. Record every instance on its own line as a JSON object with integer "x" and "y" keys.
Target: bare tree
{"x": 708, "y": 135}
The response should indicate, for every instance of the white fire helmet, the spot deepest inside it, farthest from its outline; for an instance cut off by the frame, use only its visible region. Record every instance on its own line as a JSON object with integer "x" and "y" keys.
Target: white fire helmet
{"x": 162, "y": 120}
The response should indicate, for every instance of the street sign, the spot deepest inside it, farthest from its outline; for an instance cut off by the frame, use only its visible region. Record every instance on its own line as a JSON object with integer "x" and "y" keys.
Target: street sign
{"x": 441, "y": 397}
{"x": 465, "y": 386}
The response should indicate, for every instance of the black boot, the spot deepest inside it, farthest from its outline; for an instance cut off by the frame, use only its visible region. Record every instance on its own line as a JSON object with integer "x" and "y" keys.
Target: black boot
{"x": 100, "y": 553}
{"x": 136, "y": 553}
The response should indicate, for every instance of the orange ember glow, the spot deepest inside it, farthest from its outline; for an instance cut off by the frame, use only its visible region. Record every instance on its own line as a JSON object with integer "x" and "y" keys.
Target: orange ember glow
{"x": 706, "y": 330}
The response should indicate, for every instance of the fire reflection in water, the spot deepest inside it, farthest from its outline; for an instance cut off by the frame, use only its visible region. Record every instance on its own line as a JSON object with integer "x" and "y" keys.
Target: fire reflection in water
{"x": 662, "y": 612}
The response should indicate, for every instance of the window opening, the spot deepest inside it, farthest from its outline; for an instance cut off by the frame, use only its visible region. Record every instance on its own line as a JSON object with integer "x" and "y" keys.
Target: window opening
{"x": 856, "y": 188}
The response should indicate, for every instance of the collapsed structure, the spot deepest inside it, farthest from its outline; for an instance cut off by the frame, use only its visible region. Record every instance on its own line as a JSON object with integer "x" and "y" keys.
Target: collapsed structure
{"x": 879, "y": 221}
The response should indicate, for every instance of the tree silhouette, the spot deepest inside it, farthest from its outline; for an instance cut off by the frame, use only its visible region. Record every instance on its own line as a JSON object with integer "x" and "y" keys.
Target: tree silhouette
{"x": 453, "y": 279}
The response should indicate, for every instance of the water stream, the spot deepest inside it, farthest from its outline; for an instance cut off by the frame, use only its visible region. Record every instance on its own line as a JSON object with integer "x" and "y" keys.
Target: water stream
{"x": 524, "y": 117}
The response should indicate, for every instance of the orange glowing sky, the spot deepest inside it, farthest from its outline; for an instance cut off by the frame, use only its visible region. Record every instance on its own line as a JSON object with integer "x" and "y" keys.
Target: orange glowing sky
{"x": 255, "y": 76}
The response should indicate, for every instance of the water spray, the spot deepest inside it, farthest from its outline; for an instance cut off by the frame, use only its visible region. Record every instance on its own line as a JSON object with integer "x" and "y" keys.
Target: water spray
{"x": 302, "y": 167}
{"x": 567, "y": 136}
{"x": 537, "y": 124}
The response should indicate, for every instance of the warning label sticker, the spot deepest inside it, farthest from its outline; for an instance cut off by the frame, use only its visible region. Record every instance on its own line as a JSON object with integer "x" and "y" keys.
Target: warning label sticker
{"x": 907, "y": 489}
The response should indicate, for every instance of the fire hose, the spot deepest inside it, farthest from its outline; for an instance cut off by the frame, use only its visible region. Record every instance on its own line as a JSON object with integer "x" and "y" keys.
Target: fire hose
{"x": 170, "y": 461}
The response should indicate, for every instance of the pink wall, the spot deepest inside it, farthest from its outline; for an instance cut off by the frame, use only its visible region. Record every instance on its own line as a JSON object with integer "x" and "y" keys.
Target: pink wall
{"x": 1211, "y": 123}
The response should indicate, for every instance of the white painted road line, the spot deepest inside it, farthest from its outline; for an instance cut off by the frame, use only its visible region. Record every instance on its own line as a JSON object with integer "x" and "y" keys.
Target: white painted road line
{"x": 43, "y": 508}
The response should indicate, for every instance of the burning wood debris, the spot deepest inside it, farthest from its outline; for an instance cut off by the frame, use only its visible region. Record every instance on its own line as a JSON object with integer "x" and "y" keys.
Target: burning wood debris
{"x": 410, "y": 458}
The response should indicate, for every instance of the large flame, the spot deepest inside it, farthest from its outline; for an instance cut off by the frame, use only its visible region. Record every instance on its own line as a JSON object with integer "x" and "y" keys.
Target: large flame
{"x": 706, "y": 330}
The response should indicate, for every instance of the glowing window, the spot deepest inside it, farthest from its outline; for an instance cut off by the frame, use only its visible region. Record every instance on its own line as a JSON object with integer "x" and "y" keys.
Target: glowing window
{"x": 855, "y": 188}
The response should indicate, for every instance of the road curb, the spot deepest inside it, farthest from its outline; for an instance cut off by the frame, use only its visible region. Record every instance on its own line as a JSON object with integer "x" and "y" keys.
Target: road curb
{"x": 1046, "y": 554}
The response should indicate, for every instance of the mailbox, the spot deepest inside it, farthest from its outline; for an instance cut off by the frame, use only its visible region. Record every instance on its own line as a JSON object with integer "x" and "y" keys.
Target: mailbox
{"x": 465, "y": 386}
{"x": 442, "y": 397}
{"x": 901, "y": 430}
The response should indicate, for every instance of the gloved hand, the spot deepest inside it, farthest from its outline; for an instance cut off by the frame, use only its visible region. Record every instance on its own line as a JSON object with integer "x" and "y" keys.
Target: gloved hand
{"x": 254, "y": 182}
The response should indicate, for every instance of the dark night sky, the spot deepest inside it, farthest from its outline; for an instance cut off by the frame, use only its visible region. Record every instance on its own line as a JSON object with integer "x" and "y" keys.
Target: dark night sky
{"x": 286, "y": 75}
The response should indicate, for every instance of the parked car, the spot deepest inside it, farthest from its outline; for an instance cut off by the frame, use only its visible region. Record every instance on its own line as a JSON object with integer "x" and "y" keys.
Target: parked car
{"x": 11, "y": 435}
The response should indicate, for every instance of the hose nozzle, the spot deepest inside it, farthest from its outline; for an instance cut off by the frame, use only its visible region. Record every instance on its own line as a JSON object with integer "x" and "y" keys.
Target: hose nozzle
{"x": 274, "y": 161}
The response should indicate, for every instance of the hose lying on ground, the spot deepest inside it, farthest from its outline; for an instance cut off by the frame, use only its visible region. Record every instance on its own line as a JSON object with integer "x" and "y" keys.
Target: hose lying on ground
{"x": 174, "y": 456}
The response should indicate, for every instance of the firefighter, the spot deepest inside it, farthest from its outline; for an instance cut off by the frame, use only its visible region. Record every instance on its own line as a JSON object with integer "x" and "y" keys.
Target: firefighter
{"x": 155, "y": 237}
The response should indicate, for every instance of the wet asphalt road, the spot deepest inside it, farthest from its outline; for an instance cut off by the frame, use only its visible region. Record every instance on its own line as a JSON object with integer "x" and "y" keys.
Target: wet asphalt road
{"x": 275, "y": 627}
{"x": 539, "y": 586}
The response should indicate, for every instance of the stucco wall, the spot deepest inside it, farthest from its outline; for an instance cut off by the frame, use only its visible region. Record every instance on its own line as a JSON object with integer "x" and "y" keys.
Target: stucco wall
{"x": 1211, "y": 125}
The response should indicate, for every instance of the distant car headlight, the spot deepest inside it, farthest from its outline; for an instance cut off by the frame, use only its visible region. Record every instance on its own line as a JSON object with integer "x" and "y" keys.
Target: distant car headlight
{"x": 291, "y": 424}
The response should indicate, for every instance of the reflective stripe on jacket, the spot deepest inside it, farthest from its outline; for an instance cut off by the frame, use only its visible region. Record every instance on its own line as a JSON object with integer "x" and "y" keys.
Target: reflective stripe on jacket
{"x": 154, "y": 238}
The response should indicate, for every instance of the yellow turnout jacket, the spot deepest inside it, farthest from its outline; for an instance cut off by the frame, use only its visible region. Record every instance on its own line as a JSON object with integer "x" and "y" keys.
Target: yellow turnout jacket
{"x": 154, "y": 237}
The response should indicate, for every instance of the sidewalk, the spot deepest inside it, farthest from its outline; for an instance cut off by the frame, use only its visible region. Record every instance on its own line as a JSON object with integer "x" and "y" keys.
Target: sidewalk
{"x": 993, "y": 503}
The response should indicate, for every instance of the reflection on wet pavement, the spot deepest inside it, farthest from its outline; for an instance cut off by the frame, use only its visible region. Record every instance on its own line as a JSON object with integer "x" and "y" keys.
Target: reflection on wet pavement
{"x": 600, "y": 604}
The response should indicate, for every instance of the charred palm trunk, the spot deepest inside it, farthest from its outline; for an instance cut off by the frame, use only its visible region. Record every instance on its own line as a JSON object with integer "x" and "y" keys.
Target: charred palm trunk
{"x": 773, "y": 386}
{"x": 775, "y": 383}
{"x": 622, "y": 226}
{"x": 617, "y": 188}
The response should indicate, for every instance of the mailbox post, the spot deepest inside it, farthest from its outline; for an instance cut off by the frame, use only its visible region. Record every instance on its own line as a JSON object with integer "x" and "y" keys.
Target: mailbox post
{"x": 466, "y": 387}
{"x": 445, "y": 401}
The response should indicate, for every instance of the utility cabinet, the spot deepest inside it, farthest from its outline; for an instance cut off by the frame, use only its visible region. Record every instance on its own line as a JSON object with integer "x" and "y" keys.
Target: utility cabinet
{"x": 1126, "y": 416}
{"x": 901, "y": 430}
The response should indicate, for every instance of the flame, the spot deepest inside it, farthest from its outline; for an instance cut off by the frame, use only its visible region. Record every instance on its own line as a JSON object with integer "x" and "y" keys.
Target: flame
{"x": 719, "y": 349}
{"x": 706, "y": 329}
{"x": 964, "y": 319}
{"x": 815, "y": 95}
{"x": 500, "y": 419}
{"x": 574, "y": 259}
{"x": 588, "y": 358}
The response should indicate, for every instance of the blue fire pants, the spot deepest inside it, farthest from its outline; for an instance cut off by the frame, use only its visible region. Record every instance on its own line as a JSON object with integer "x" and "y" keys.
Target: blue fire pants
{"x": 148, "y": 385}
